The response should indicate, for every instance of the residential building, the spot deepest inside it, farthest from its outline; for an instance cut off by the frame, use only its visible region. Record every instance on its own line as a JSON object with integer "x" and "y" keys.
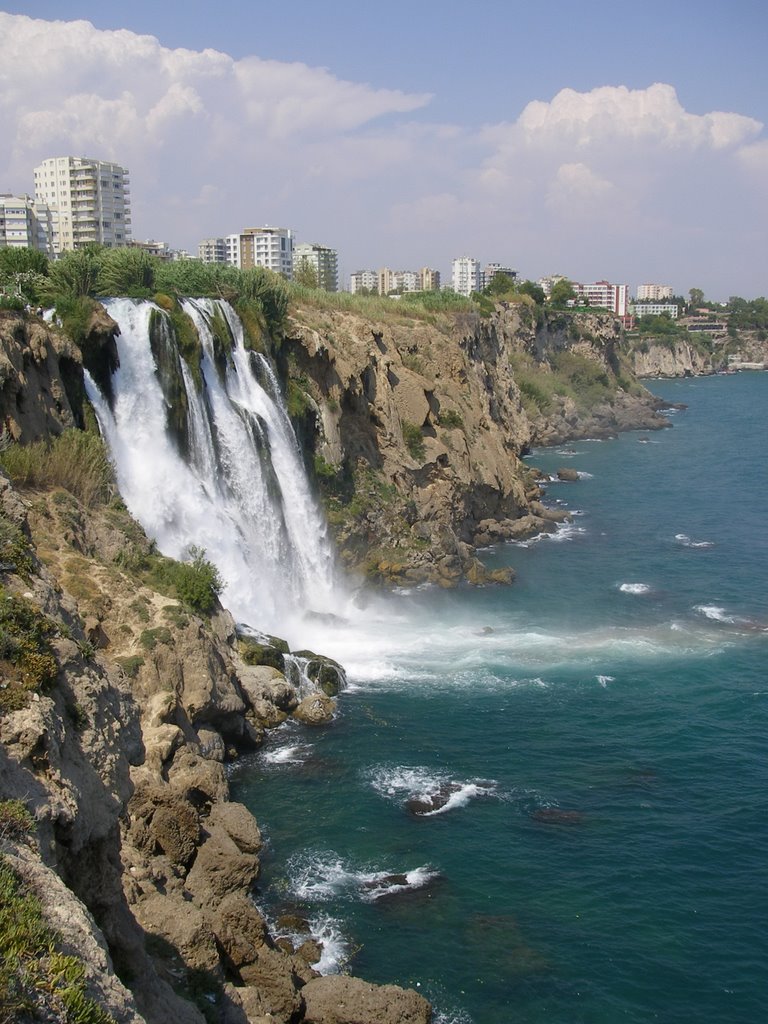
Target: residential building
{"x": 492, "y": 269}
{"x": 604, "y": 295}
{"x": 429, "y": 280}
{"x": 655, "y": 309}
{"x": 25, "y": 224}
{"x": 89, "y": 201}
{"x": 161, "y": 250}
{"x": 232, "y": 250}
{"x": 267, "y": 247}
{"x": 363, "y": 279}
{"x": 654, "y": 292}
{"x": 324, "y": 262}
{"x": 212, "y": 250}
{"x": 465, "y": 275}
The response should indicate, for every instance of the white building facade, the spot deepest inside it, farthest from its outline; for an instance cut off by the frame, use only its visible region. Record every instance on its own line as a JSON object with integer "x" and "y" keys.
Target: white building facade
{"x": 363, "y": 279}
{"x": 25, "y": 224}
{"x": 465, "y": 275}
{"x": 655, "y": 309}
{"x": 267, "y": 247}
{"x": 653, "y": 292}
{"x": 89, "y": 200}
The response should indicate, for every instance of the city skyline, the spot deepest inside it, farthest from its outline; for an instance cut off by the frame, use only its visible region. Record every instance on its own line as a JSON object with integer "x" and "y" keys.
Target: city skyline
{"x": 640, "y": 165}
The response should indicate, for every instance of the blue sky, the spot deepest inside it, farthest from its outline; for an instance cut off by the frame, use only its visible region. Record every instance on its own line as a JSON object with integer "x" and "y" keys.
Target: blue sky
{"x": 594, "y": 139}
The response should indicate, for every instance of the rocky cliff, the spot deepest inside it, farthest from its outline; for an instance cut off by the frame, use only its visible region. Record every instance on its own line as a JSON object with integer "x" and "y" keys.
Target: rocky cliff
{"x": 119, "y": 705}
{"x": 418, "y": 424}
{"x": 122, "y": 698}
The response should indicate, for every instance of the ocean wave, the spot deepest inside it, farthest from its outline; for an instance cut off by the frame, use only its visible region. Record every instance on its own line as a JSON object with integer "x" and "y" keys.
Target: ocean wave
{"x": 320, "y": 876}
{"x": 685, "y": 541}
{"x": 295, "y": 754}
{"x": 425, "y": 792}
{"x": 583, "y": 475}
{"x": 634, "y": 588}
{"x": 716, "y": 614}
{"x": 327, "y": 931}
{"x": 604, "y": 680}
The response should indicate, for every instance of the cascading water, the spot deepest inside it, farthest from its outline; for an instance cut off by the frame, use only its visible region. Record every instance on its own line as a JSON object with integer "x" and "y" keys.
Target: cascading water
{"x": 218, "y": 468}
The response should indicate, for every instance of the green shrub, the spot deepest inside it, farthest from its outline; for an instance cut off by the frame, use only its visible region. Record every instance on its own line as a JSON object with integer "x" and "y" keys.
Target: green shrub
{"x": 77, "y": 460}
{"x": 26, "y": 657}
{"x": 197, "y": 583}
{"x": 414, "y": 441}
{"x": 16, "y": 822}
{"x": 130, "y": 664}
{"x": 125, "y": 271}
{"x": 150, "y": 638}
{"x": 15, "y": 549}
{"x": 37, "y": 981}
{"x": 450, "y": 419}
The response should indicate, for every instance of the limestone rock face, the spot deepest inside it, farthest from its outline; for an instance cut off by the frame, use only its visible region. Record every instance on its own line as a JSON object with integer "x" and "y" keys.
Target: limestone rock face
{"x": 35, "y": 362}
{"x": 430, "y": 421}
{"x": 664, "y": 360}
{"x": 342, "y": 1000}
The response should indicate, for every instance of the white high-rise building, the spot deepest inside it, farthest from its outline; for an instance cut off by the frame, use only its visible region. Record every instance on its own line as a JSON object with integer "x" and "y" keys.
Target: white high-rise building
{"x": 465, "y": 275}
{"x": 89, "y": 198}
{"x": 653, "y": 292}
{"x": 25, "y": 224}
{"x": 324, "y": 262}
{"x": 267, "y": 247}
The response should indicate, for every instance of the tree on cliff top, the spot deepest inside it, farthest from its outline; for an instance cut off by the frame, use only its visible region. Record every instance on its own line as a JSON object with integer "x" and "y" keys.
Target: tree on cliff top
{"x": 562, "y": 292}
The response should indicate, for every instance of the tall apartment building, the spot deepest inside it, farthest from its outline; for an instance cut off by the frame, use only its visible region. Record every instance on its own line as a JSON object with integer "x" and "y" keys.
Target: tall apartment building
{"x": 654, "y": 292}
{"x": 465, "y": 275}
{"x": 324, "y": 262}
{"x": 25, "y": 224}
{"x": 367, "y": 279}
{"x": 89, "y": 200}
{"x": 267, "y": 247}
{"x": 603, "y": 294}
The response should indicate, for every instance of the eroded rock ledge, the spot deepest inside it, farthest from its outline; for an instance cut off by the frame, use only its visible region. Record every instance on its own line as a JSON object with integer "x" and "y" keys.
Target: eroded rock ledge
{"x": 144, "y": 864}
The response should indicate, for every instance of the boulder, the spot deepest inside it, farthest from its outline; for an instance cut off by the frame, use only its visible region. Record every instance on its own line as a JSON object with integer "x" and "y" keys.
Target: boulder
{"x": 220, "y": 868}
{"x": 336, "y": 999}
{"x": 566, "y": 473}
{"x": 184, "y": 927}
{"x": 315, "y": 710}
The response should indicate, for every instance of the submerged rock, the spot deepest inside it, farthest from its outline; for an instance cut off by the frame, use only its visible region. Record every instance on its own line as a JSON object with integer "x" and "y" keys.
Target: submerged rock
{"x": 428, "y": 803}
{"x": 557, "y": 816}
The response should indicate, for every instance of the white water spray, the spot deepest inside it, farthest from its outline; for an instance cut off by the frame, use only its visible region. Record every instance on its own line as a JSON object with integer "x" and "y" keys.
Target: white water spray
{"x": 242, "y": 495}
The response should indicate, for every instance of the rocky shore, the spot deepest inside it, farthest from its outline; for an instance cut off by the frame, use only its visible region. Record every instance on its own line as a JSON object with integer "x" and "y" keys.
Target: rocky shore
{"x": 121, "y": 703}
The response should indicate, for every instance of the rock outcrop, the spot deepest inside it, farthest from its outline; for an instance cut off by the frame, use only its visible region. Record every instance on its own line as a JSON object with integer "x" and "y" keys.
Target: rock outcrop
{"x": 418, "y": 424}
{"x": 142, "y": 863}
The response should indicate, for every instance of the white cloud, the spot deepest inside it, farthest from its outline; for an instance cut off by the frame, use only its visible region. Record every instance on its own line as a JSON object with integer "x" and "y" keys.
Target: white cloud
{"x": 591, "y": 182}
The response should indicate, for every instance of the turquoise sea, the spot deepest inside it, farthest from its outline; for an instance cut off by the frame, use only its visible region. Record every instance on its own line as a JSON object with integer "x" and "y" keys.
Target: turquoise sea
{"x": 600, "y": 729}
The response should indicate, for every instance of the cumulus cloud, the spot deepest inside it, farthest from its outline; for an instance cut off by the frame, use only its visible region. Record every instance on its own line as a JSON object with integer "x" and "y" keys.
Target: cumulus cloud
{"x": 130, "y": 99}
{"x": 591, "y": 183}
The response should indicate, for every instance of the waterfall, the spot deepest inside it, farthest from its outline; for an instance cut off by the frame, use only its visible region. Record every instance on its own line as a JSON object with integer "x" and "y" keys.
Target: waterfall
{"x": 217, "y": 466}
